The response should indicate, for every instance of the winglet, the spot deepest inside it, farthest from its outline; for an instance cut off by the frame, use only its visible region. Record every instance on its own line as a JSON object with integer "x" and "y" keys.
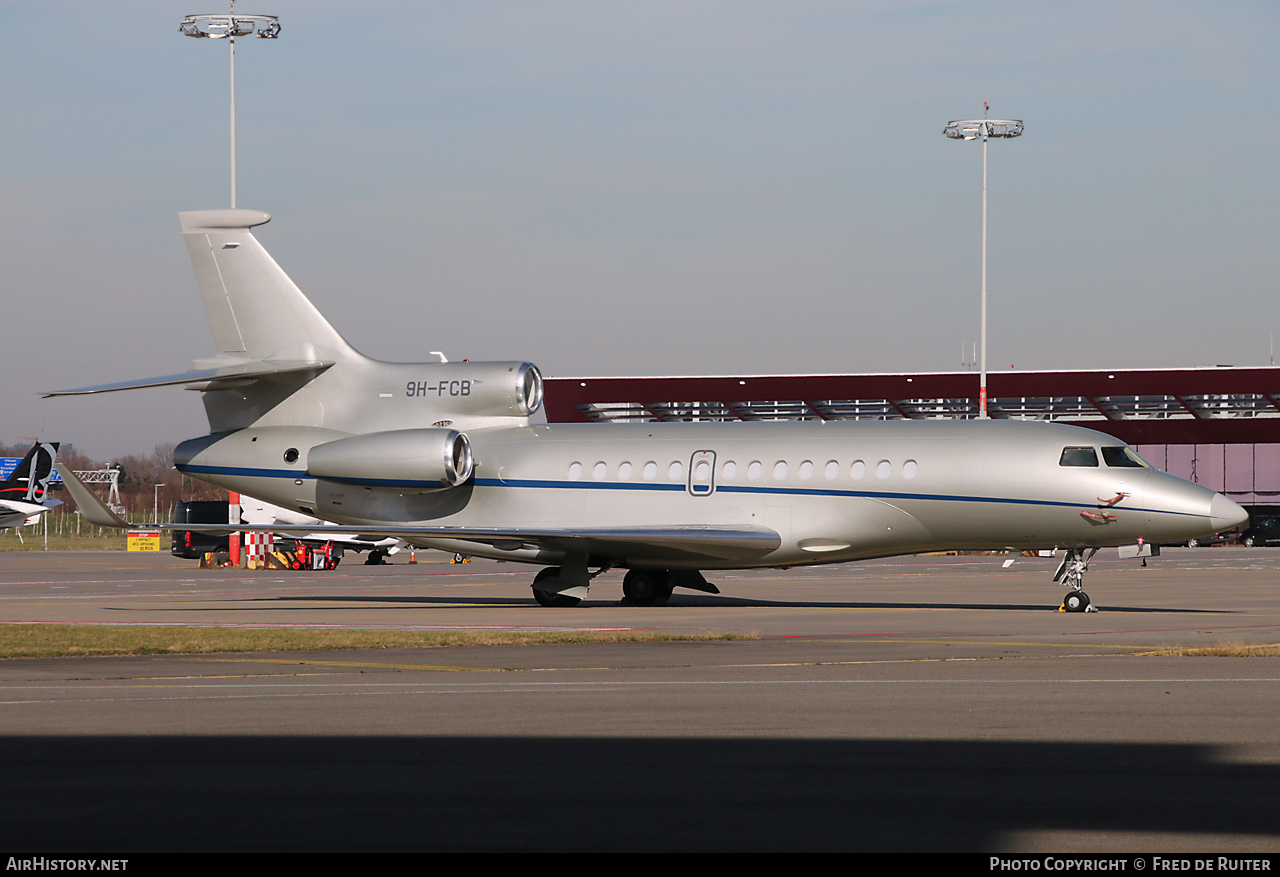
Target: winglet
{"x": 90, "y": 506}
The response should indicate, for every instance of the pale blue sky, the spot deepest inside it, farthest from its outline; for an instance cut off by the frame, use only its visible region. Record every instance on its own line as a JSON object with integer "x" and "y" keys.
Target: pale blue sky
{"x": 642, "y": 188}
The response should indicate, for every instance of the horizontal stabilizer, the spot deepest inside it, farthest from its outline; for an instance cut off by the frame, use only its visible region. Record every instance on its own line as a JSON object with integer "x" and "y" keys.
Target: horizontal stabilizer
{"x": 248, "y": 371}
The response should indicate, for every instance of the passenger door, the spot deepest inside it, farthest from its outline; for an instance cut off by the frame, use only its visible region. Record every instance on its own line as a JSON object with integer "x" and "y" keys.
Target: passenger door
{"x": 702, "y": 473}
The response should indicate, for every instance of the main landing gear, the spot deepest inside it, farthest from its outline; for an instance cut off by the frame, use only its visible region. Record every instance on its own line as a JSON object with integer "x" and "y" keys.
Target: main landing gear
{"x": 647, "y": 587}
{"x": 567, "y": 585}
{"x": 1071, "y": 573}
{"x": 551, "y": 598}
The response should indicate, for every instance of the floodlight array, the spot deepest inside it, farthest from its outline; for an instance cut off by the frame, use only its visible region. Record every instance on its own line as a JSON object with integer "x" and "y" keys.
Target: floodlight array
{"x": 220, "y": 26}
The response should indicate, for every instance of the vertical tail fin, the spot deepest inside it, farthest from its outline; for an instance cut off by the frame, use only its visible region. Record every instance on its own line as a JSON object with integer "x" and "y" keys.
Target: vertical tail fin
{"x": 255, "y": 311}
{"x": 29, "y": 482}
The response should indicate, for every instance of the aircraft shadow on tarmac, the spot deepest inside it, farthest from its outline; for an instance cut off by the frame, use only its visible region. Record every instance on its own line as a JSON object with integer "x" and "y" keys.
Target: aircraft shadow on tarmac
{"x": 677, "y": 601}
{"x": 101, "y": 795}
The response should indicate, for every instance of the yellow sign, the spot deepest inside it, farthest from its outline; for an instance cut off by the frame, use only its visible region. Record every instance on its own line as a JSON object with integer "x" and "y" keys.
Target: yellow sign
{"x": 144, "y": 540}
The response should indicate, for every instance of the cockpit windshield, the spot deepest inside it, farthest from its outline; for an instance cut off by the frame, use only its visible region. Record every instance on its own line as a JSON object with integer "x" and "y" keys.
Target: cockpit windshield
{"x": 1124, "y": 457}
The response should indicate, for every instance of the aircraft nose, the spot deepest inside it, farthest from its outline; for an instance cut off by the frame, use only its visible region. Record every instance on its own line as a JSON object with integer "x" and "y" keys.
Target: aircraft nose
{"x": 1225, "y": 514}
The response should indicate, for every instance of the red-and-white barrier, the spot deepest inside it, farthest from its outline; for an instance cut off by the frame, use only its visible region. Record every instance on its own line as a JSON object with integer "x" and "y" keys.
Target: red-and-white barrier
{"x": 258, "y": 545}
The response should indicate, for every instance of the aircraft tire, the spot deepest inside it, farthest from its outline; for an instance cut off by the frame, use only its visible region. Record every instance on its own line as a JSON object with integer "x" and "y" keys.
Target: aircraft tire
{"x": 1076, "y": 601}
{"x": 550, "y": 600}
{"x": 644, "y": 587}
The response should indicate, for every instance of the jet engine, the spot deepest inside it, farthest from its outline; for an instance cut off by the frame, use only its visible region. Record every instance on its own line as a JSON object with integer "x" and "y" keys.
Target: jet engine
{"x": 400, "y": 460}
{"x": 485, "y": 389}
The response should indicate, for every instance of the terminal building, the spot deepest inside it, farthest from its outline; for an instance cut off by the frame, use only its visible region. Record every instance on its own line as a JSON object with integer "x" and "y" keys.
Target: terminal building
{"x": 1219, "y": 427}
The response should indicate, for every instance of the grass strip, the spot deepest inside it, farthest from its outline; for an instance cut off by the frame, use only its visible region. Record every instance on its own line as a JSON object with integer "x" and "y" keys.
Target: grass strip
{"x": 1225, "y": 649}
{"x": 68, "y": 640}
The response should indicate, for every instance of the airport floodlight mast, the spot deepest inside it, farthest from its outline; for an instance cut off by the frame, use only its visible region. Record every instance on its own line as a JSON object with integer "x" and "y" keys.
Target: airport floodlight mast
{"x": 983, "y": 129}
{"x": 228, "y": 26}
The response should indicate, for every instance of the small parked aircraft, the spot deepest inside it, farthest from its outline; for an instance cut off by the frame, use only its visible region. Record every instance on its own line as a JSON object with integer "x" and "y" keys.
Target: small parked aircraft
{"x": 24, "y": 495}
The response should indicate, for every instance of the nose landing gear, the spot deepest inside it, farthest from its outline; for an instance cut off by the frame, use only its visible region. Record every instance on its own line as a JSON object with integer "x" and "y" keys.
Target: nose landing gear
{"x": 1071, "y": 573}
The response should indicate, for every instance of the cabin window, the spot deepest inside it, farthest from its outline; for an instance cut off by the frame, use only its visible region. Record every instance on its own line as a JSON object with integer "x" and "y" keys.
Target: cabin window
{"x": 575, "y": 471}
{"x": 1078, "y": 457}
{"x": 883, "y": 469}
{"x": 624, "y": 471}
{"x": 600, "y": 472}
{"x": 1124, "y": 458}
{"x": 779, "y": 470}
{"x": 754, "y": 470}
{"x": 832, "y": 470}
{"x": 675, "y": 471}
{"x": 650, "y": 471}
{"x": 857, "y": 470}
{"x": 909, "y": 469}
{"x": 730, "y": 469}
{"x": 702, "y": 471}
{"x": 806, "y": 470}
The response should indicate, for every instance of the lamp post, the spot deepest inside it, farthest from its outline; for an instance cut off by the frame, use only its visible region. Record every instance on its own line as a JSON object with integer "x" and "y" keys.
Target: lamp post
{"x": 155, "y": 501}
{"x": 229, "y": 26}
{"x": 983, "y": 129}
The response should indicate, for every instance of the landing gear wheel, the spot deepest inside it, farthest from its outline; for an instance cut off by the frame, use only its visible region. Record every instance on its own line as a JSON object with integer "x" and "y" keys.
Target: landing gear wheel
{"x": 1071, "y": 573}
{"x": 644, "y": 587}
{"x": 1076, "y": 601}
{"x": 547, "y": 598}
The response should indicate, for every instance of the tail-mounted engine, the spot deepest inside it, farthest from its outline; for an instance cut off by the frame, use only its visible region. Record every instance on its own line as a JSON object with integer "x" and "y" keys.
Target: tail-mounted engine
{"x": 473, "y": 389}
{"x": 401, "y": 460}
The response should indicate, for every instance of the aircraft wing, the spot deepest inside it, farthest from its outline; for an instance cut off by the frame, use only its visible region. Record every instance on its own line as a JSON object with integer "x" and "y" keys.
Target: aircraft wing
{"x": 248, "y": 371}
{"x": 692, "y": 542}
{"x": 15, "y": 514}
{"x": 689, "y": 542}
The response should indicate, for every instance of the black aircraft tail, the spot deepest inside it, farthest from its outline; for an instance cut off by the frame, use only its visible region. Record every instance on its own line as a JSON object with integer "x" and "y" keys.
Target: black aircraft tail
{"x": 30, "y": 481}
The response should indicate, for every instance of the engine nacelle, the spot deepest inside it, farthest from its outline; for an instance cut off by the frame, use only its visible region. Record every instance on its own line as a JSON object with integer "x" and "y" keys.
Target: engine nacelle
{"x": 400, "y": 460}
{"x": 470, "y": 389}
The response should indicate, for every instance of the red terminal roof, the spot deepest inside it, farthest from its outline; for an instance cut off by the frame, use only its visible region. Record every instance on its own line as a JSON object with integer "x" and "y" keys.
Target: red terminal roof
{"x": 1209, "y": 405}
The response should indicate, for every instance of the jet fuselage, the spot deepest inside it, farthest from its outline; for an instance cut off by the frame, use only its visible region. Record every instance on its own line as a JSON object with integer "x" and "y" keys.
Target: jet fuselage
{"x": 832, "y": 491}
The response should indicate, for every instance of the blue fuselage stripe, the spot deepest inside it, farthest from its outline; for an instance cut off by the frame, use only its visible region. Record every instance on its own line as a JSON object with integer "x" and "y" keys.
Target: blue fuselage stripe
{"x": 541, "y": 484}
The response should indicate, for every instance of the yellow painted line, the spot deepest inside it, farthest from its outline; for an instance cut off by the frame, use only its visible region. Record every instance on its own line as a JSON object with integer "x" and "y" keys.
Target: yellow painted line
{"x": 373, "y": 665}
